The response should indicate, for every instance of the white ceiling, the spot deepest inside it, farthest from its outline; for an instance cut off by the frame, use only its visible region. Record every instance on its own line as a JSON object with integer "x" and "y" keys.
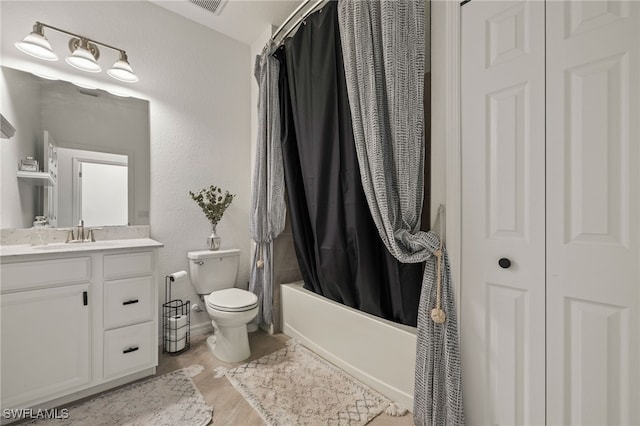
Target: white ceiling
{"x": 243, "y": 20}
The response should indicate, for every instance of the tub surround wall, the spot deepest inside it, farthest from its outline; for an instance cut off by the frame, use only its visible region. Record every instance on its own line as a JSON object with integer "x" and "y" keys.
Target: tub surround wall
{"x": 285, "y": 270}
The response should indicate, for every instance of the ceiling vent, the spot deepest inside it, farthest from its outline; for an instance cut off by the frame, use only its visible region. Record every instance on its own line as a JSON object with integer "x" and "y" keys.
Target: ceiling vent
{"x": 213, "y": 6}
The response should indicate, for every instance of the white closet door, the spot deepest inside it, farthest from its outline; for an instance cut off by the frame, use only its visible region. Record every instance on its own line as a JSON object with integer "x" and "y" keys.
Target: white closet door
{"x": 503, "y": 184}
{"x": 593, "y": 189}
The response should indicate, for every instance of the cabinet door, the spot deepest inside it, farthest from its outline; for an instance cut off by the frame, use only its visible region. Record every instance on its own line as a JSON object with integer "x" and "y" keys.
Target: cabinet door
{"x": 593, "y": 215}
{"x": 502, "y": 308}
{"x": 45, "y": 344}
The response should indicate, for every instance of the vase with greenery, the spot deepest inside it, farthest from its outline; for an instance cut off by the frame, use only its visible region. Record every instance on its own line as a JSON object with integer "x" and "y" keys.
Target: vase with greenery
{"x": 213, "y": 203}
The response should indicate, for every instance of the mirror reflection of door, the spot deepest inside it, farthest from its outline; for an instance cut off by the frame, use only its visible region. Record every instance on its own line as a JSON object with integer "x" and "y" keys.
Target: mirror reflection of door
{"x": 101, "y": 188}
{"x": 50, "y": 163}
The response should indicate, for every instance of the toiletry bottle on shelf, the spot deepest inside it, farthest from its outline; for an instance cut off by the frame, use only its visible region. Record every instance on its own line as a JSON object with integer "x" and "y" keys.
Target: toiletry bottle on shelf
{"x": 38, "y": 231}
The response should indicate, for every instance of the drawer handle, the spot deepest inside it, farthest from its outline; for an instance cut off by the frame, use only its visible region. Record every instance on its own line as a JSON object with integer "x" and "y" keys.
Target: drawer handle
{"x": 131, "y": 349}
{"x": 130, "y": 302}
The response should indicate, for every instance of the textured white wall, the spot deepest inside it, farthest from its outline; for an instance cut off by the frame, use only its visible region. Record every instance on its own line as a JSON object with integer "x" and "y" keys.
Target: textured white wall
{"x": 18, "y": 104}
{"x": 198, "y": 88}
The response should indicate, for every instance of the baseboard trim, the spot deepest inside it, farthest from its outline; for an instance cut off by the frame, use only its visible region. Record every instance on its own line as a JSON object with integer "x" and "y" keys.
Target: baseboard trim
{"x": 202, "y": 328}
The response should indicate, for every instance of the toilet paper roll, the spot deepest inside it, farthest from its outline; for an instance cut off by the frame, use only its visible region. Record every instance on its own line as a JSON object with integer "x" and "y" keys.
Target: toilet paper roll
{"x": 176, "y": 333}
{"x": 179, "y": 276}
{"x": 175, "y": 346}
{"x": 176, "y": 327}
{"x": 177, "y": 324}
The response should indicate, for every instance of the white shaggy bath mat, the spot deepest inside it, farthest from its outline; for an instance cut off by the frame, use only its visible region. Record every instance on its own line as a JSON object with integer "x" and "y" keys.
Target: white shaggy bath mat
{"x": 296, "y": 386}
{"x": 171, "y": 399}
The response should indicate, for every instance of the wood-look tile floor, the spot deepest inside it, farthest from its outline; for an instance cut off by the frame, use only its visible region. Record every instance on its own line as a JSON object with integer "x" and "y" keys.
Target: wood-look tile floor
{"x": 229, "y": 407}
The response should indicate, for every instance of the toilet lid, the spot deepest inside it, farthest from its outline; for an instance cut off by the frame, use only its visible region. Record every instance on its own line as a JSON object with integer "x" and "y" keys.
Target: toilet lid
{"x": 232, "y": 300}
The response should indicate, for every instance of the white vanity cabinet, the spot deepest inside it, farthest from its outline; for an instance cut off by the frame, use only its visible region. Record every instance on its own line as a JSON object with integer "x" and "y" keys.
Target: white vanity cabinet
{"x": 76, "y": 323}
{"x": 46, "y": 343}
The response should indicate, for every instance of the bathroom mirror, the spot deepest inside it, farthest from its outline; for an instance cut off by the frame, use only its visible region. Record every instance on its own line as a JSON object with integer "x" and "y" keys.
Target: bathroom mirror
{"x": 102, "y": 154}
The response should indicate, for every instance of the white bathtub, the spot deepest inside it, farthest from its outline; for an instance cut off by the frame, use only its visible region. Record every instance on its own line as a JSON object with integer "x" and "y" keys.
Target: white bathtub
{"x": 377, "y": 352}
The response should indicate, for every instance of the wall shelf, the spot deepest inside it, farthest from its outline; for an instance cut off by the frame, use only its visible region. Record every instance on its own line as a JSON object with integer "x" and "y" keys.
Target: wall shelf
{"x": 36, "y": 178}
{"x": 6, "y": 129}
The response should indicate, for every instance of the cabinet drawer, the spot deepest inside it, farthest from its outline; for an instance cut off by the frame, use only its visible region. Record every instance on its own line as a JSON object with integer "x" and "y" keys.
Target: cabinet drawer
{"x": 128, "y": 301}
{"x": 45, "y": 273}
{"x": 129, "y": 349}
{"x": 128, "y": 265}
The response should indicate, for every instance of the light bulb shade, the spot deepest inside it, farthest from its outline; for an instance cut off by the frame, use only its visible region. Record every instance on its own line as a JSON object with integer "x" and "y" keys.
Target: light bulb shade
{"x": 37, "y": 45}
{"x": 122, "y": 71}
{"x": 83, "y": 60}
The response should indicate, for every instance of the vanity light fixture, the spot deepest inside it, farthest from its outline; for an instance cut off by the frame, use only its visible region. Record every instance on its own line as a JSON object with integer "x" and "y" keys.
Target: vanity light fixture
{"x": 84, "y": 53}
{"x": 84, "y": 56}
{"x": 37, "y": 45}
{"x": 122, "y": 71}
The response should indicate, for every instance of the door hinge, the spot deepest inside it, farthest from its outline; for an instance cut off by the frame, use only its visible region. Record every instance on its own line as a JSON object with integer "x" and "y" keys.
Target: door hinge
{"x": 85, "y": 298}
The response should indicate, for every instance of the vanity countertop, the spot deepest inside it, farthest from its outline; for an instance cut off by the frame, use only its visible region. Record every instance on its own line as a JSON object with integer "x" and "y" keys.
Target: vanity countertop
{"x": 8, "y": 252}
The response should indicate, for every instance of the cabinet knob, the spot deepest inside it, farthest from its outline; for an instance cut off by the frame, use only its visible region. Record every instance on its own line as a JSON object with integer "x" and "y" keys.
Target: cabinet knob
{"x": 504, "y": 263}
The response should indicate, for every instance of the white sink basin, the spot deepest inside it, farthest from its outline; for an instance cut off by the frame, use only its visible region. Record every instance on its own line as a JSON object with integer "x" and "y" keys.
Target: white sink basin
{"x": 74, "y": 245}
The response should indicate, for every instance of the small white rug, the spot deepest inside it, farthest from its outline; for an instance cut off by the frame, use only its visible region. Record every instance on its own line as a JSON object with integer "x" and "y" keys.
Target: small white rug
{"x": 294, "y": 386}
{"x": 168, "y": 400}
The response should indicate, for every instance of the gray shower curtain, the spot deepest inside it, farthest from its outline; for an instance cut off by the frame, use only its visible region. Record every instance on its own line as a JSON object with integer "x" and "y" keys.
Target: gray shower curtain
{"x": 340, "y": 254}
{"x": 384, "y": 55}
{"x": 267, "y": 216}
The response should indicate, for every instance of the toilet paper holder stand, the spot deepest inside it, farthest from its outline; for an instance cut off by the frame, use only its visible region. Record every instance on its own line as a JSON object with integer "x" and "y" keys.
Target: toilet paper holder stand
{"x": 176, "y": 322}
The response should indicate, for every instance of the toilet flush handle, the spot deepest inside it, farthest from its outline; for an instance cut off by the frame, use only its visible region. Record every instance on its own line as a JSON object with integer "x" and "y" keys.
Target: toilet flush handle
{"x": 199, "y": 262}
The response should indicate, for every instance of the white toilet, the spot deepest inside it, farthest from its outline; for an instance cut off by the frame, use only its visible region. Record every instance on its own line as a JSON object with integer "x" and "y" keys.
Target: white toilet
{"x": 213, "y": 275}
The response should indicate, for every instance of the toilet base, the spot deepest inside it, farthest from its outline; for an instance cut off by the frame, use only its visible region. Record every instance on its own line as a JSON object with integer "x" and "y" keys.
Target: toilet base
{"x": 230, "y": 344}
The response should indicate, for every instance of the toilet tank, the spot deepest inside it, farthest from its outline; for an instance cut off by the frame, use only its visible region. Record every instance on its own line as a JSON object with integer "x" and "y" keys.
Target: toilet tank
{"x": 213, "y": 270}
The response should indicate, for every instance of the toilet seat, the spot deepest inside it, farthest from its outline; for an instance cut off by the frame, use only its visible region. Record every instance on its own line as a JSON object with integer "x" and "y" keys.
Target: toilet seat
{"x": 232, "y": 300}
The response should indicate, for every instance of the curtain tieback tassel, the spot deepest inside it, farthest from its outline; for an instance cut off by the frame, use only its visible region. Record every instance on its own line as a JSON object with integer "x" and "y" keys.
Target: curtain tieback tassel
{"x": 260, "y": 262}
{"x": 437, "y": 314}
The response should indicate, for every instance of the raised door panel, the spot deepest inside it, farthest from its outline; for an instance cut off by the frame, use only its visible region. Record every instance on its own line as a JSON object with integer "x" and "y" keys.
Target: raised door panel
{"x": 502, "y": 310}
{"x": 593, "y": 225}
{"x": 45, "y": 344}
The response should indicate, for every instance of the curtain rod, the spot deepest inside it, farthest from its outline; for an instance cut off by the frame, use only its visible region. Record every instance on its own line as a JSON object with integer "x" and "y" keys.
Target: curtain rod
{"x": 308, "y": 12}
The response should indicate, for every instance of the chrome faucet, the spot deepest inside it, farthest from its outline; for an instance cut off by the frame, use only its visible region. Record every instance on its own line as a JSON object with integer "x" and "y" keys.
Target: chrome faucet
{"x": 83, "y": 235}
{"x": 81, "y": 230}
